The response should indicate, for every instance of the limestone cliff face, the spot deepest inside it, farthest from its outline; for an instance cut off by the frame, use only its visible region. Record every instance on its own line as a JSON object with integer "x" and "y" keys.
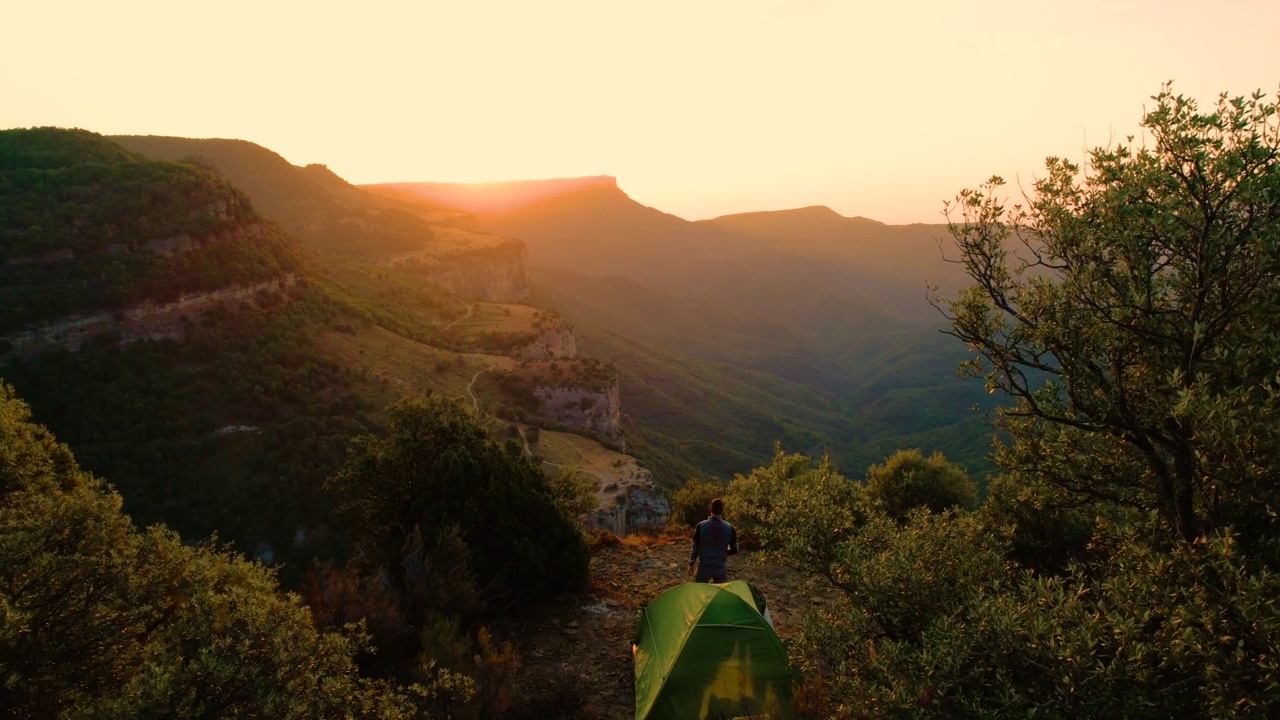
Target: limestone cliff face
{"x": 557, "y": 342}
{"x": 597, "y": 410}
{"x": 496, "y": 274}
{"x": 172, "y": 245}
{"x": 182, "y": 242}
{"x": 144, "y": 321}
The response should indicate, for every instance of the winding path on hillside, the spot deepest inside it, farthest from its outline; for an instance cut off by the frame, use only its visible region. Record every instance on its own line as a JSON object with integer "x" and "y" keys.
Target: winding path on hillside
{"x": 470, "y": 309}
{"x": 474, "y": 401}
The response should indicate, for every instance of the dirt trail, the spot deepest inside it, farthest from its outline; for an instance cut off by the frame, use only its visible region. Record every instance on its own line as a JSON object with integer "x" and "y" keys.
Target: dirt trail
{"x": 575, "y": 658}
{"x": 475, "y": 402}
{"x": 470, "y": 308}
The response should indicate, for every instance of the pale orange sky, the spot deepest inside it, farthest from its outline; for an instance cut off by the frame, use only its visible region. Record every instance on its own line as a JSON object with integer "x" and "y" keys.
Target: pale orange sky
{"x": 699, "y": 107}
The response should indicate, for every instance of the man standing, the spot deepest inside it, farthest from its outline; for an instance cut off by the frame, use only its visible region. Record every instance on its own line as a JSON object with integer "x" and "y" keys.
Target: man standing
{"x": 714, "y": 540}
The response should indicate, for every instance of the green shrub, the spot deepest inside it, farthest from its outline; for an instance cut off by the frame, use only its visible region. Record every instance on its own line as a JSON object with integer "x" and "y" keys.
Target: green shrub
{"x": 437, "y": 467}
{"x": 690, "y": 504}
{"x": 574, "y": 493}
{"x": 145, "y": 625}
{"x": 907, "y": 480}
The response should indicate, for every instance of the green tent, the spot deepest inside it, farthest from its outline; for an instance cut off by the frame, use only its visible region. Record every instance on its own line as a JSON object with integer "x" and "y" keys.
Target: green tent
{"x": 706, "y": 651}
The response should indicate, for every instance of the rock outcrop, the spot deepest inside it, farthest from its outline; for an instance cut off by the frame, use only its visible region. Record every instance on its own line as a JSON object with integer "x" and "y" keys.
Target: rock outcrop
{"x": 556, "y": 342}
{"x": 171, "y": 245}
{"x": 593, "y": 409}
{"x": 493, "y": 274}
{"x": 144, "y": 321}
{"x": 182, "y": 242}
{"x": 639, "y": 509}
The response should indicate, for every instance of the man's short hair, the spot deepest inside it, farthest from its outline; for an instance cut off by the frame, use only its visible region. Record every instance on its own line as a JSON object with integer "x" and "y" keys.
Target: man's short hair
{"x": 717, "y": 507}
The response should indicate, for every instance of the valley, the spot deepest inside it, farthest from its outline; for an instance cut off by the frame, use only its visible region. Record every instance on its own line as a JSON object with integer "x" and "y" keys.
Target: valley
{"x": 829, "y": 313}
{"x": 225, "y": 368}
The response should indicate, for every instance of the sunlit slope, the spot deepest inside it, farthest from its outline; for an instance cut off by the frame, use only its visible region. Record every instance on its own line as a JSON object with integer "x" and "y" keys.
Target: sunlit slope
{"x": 694, "y": 326}
{"x": 314, "y": 204}
{"x": 816, "y": 302}
{"x": 598, "y": 230}
{"x": 895, "y": 262}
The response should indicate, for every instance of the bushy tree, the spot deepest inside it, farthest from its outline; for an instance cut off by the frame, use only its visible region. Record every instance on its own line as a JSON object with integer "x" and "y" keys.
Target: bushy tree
{"x": 1132, "y": 309}
{"x": 908, "y": 480}
{"x": 691, "y": 504}
{"x": 874, "y": 646}
{"x": 437, "y": 468}
{"x": 892, "y": 579}
{"x": 99, "y": 620}
{"x": 799, "y": 514}
{"x": 1048, "y": 528}
{"x": 574, "y": 493}
{"x": 1134, "y": 633}
{"x": 1125, "y": 563}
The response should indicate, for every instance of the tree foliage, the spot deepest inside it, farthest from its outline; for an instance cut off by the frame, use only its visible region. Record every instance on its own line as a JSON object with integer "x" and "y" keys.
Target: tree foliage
{"x": 940, "y": 626}
{"x": 908, "y": 480}
{"x": 1124, "y": 564}
{"x": 99, "y": 620}
{"x": 78, "y": 215}
{"x": 799, "y": 514}
{"x": 231, "y": 430}
{"x": 574, "y": 493}
{"x": 437, "y": 468}
{"x": 1133, "y": 311}
{"x": 691, "y": 504}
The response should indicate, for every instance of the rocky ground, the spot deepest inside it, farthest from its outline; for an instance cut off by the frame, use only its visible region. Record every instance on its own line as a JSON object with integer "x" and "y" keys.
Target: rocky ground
{"x": 575, "y": 656}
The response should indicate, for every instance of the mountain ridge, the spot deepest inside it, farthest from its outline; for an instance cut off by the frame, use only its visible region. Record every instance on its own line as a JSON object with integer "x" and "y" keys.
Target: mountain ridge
{"x": 810, "y": 212}
{"x": 490, "y": 197}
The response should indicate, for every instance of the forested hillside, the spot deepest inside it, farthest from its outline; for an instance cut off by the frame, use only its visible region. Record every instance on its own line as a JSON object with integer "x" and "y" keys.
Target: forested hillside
{"x": 717, "y": 407}
{"x": 242, "y": 427}
{"x": 86, "y": 225}
{"x": 229, "y": 425}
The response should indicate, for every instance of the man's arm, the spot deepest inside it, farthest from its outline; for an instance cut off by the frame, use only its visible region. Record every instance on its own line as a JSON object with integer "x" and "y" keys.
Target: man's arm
{"x": 733, "y": 542}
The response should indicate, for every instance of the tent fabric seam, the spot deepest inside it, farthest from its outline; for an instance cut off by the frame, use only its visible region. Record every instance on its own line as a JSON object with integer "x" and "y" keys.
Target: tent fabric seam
{"x": 704, "y": 600}
{"x": 668, "y": 667}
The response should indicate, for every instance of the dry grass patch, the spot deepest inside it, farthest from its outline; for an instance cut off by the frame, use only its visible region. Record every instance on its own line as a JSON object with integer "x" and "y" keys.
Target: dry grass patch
{"x": 649, "y": 540}
{"x": 495, "y": 318}
{"x": 401, "y": 366}
{"x": 448, "y": 241}
{"x": 459, "y": 240}
{"x": 615, "y": 471}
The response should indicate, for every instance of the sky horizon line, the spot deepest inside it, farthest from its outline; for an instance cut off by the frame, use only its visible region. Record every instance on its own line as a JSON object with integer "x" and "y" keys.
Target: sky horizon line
{"x": 621, "y": 187}
{"x": 881, "y": 110}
